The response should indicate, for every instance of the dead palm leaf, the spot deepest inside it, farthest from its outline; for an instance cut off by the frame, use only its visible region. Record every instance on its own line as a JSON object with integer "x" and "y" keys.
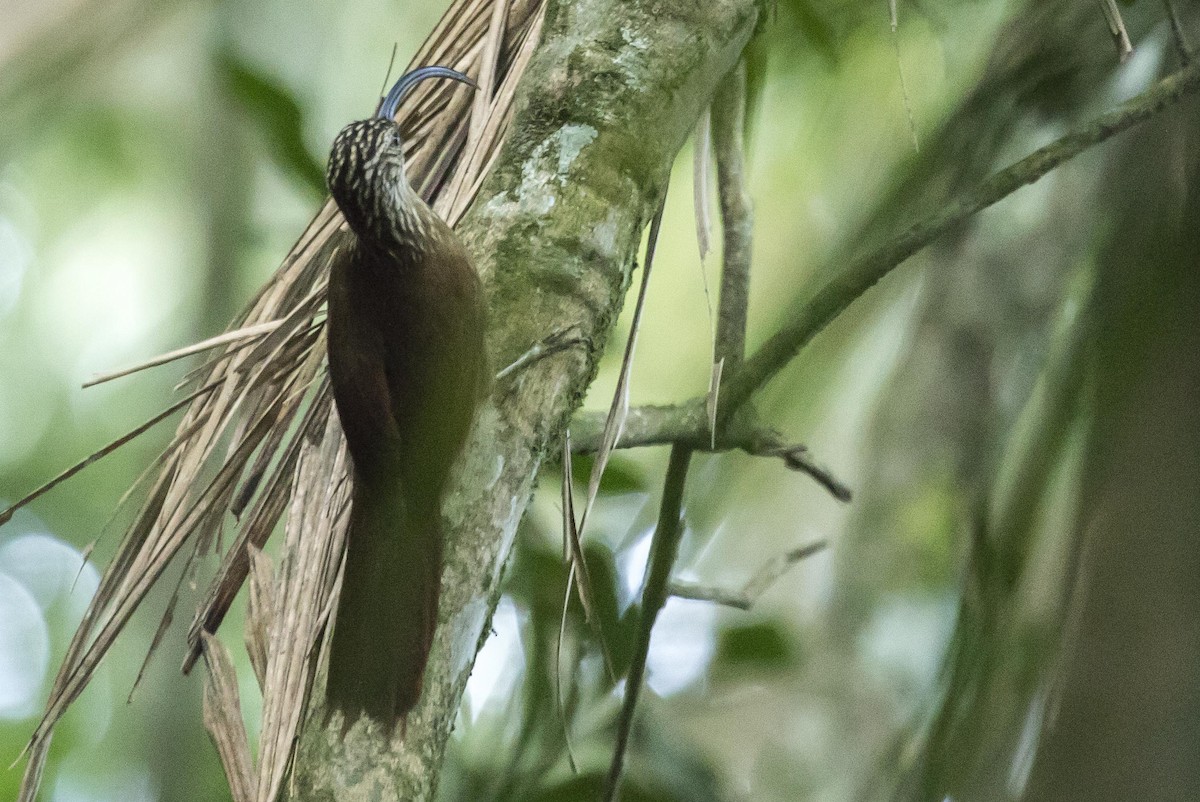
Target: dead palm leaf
{"x": 259, "y": 434}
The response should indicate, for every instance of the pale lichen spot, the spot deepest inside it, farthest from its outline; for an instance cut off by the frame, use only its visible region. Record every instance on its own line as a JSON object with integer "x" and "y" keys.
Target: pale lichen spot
{"x": 505, "y": 522}
{"x": 497, "y": 471}
{"x": 631, "y": 56}
{"x": 572, "y": 139}
{"x": 536, "y": 194}
{"x": 465, "y": 630}
{"x": 604, "y": 234}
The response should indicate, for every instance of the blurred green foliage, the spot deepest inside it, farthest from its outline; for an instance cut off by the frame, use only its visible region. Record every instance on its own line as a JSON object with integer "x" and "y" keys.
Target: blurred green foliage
{"x": 756, "y": 646}
{"x": 277, "y": 115}
{"x": 157, "y": 160}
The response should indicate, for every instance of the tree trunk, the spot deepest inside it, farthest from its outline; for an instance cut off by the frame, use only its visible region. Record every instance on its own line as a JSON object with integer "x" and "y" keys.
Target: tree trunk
{"x": 608, "y": 100}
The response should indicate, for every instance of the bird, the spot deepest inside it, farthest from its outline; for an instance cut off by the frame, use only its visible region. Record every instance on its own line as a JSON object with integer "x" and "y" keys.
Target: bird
{"x": 407, "y": 368}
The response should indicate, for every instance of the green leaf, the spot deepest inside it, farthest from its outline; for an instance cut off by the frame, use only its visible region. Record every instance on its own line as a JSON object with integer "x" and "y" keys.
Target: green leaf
{"x": 621, "y": 475}
{"x": 277, "y": 115}
{"x": 620, "y": 631}
{"x": 763, "y": 646}
{"x": 814, "y": 26}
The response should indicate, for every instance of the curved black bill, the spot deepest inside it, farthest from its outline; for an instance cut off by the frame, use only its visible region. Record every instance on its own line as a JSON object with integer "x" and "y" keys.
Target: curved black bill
{"x": 387, "y": 110}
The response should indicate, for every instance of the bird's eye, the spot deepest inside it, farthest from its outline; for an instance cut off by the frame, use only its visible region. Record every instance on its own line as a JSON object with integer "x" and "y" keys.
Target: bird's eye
{"x": 396, "y": 139}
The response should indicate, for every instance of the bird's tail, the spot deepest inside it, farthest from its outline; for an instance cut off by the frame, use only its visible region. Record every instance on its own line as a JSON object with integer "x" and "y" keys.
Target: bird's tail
{"x": 387, "y": 610}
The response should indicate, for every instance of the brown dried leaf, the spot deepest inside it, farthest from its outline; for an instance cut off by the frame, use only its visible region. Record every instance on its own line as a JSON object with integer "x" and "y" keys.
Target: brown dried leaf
{"x": 315, "y": 542}
{"x": 619, "y": 409}
{"x": 240, "y": 442}
{"x": 1116, "y": 27}
{"x": 260, "y": 612}
{"x": 237, "y": 335}
{"x": 579, "y": 570}
{"x": 713, "y": 399}
{"x": 223, "y": 719}
{"x": 164, "y": 624}
{"x": 5, "y": 515}
{"x": 259, "y": 525}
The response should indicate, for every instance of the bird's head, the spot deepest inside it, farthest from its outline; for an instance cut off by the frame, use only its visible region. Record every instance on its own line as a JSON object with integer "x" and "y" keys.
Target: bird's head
{"x": 365, "y": 174}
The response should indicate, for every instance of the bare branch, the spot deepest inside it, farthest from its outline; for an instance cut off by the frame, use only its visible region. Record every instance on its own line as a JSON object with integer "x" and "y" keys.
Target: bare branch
{"x": 651, "y": 425}
{"x": 745, "y": 597}
{"x": 796, "y": 456}
{"x": 548, "y": 346}
{"x": 820, "y": 308}
{"x": 663, "y": 548}
{"x": 686, "y": 423}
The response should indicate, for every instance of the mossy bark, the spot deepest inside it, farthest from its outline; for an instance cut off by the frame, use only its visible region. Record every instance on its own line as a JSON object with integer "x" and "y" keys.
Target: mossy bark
{"x": 607, "y": 102}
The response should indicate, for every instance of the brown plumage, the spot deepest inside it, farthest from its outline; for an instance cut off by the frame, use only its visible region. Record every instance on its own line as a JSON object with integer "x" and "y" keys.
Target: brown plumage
{"x": 407, "y": 367}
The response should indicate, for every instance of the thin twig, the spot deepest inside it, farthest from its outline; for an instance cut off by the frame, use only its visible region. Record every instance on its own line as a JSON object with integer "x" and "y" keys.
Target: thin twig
{"x": 797, "y": 457}
{"x": 686, "y": 423}
{"x": 1116, "y": 26}
{"x": 728, "y": 122}
{"x": 824, "y": 305}
{"x": 663, "y": 548}
{"x": 745, "y": 597}
{"x": 547, "y": 346}
{"x": 246, "y": 333}
{"x": 614, "y": 423}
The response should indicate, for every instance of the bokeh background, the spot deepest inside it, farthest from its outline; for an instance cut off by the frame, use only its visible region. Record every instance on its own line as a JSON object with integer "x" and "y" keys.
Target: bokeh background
{"x": 1007, "y": 609}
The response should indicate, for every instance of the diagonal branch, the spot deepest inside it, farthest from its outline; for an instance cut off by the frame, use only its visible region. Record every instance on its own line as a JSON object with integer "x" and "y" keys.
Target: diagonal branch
{"x": 663, "y": 548}
{"x": 686, "y": 422}
{"x": 816, "y": 312}
{"x": 744, "y": 597}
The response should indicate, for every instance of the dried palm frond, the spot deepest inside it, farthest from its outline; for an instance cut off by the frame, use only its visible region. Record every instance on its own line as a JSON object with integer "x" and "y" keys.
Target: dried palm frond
{"x": 312, "y": 556}
{"x": 259, "y": 435}
{"x": 261, "y": 606}
{"x": 618, "y": 410}
{"x": 223, "y": 719}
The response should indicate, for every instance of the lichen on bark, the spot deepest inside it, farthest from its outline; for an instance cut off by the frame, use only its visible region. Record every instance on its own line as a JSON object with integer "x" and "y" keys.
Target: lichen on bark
{"x": 607, "y": 102}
